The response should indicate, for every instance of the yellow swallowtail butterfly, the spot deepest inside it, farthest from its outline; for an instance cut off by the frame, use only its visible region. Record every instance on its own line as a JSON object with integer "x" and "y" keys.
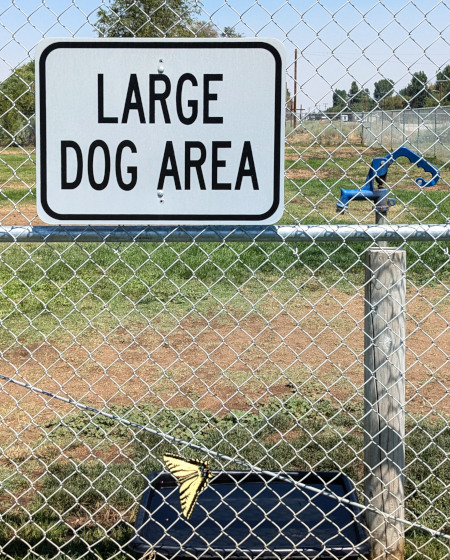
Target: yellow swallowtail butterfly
{"x": 192, "y": 476}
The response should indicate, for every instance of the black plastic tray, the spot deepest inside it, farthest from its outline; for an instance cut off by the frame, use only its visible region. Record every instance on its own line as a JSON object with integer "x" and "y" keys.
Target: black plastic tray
{"x": 246, "y": 514}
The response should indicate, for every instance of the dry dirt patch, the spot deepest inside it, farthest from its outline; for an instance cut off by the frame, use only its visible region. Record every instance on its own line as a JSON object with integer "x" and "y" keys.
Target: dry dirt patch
{"x": 23, "y": 215}
{"x": 314, "y": 350}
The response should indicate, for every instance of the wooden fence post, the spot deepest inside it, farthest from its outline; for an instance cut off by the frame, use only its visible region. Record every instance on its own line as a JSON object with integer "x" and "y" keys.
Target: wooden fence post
{"x": 384, "y": 398}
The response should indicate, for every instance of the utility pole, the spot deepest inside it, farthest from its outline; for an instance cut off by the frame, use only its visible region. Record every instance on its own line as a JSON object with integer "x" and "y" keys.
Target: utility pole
{"x": 295, "y": 83}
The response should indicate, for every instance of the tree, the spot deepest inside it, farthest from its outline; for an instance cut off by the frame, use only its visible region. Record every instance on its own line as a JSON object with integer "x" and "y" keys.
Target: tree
{"x": 152, "y": 18}
{"x": 339, "y": 98}
{"x": 416, "y": 92}
{"x": 383, "y": 89}
{"x": 443, "y": 85}
{"x": 393, "y": 102}
{"x": 17, "y": 106}
{"x": 230, "y": 32}
{"x": 354, "y": 96}
{"x": 359, "y": 99}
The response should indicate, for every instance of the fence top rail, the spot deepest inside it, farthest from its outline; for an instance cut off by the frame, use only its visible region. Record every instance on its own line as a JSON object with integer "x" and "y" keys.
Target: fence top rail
{"x": 287, "y": 233}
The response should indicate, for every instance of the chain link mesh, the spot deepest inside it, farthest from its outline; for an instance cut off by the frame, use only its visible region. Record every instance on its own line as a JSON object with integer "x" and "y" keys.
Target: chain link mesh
{"x": 252, "y": 349}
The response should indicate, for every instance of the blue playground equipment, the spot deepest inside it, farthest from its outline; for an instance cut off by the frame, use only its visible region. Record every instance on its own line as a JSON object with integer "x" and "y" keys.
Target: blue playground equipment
{"x": 378, "y": 173}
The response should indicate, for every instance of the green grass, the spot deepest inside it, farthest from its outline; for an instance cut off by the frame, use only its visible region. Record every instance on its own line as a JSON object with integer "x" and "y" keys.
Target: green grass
{"x": 313, "y": 201}
{"x": 59, "y": 498}
{"x": 333, "y": 166}
{"x": 17, "y": 195}
{"x": 311, "y": 197}
{"x": 318, "y": 196}
{"x": 49, "y": 290}
{"x": 17, "y": 167}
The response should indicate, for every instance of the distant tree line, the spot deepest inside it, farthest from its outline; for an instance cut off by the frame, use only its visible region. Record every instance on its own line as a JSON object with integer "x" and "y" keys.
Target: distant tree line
{"x": 180, "y": 18}
{"x": 17, "y": 106}
{"x": 120, "y": 18}
{"x": 418, "y": 93}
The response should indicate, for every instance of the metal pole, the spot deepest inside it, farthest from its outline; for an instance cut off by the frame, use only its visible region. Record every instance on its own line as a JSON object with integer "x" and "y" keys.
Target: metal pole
{"x": 391, "y": 126}
{"x": 230, "y": 234}
{"x": 418, "y": 133}
{"x": 435, "y": 130}
{"x": 381, "y": 210}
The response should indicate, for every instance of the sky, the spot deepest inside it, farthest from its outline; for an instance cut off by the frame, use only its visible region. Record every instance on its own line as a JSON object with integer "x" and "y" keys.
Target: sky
{"x": 337, "y": 41}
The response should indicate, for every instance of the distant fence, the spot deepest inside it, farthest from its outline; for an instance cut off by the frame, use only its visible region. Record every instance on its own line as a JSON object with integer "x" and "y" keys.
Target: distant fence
{"x": 424, "y": 130}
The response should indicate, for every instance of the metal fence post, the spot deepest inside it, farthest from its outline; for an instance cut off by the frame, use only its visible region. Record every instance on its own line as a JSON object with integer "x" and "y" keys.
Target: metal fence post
{"x": 384, "y": 398}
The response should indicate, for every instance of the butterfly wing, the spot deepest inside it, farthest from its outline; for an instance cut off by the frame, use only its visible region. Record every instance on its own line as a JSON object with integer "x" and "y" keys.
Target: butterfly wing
{"x": 192, "y": 476}
{"x": 189, "y": 491}
{"x": 181, "y": 468}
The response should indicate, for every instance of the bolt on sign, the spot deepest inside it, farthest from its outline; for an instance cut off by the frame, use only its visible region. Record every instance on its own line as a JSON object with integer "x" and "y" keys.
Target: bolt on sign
{"x": 151, "y": 131}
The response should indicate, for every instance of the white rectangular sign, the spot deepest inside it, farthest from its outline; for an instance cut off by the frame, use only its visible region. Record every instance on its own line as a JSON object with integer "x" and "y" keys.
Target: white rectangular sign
{"x": 155, "y": 131}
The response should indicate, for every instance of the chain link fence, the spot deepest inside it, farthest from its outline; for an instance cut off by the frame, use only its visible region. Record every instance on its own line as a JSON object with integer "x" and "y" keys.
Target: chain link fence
{"x": 241, "y": 346}
{"x": 423, "y": 130}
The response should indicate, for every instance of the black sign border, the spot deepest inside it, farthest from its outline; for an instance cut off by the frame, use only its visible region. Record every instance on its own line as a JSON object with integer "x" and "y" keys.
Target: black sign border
{"x": 156, "y": 218}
